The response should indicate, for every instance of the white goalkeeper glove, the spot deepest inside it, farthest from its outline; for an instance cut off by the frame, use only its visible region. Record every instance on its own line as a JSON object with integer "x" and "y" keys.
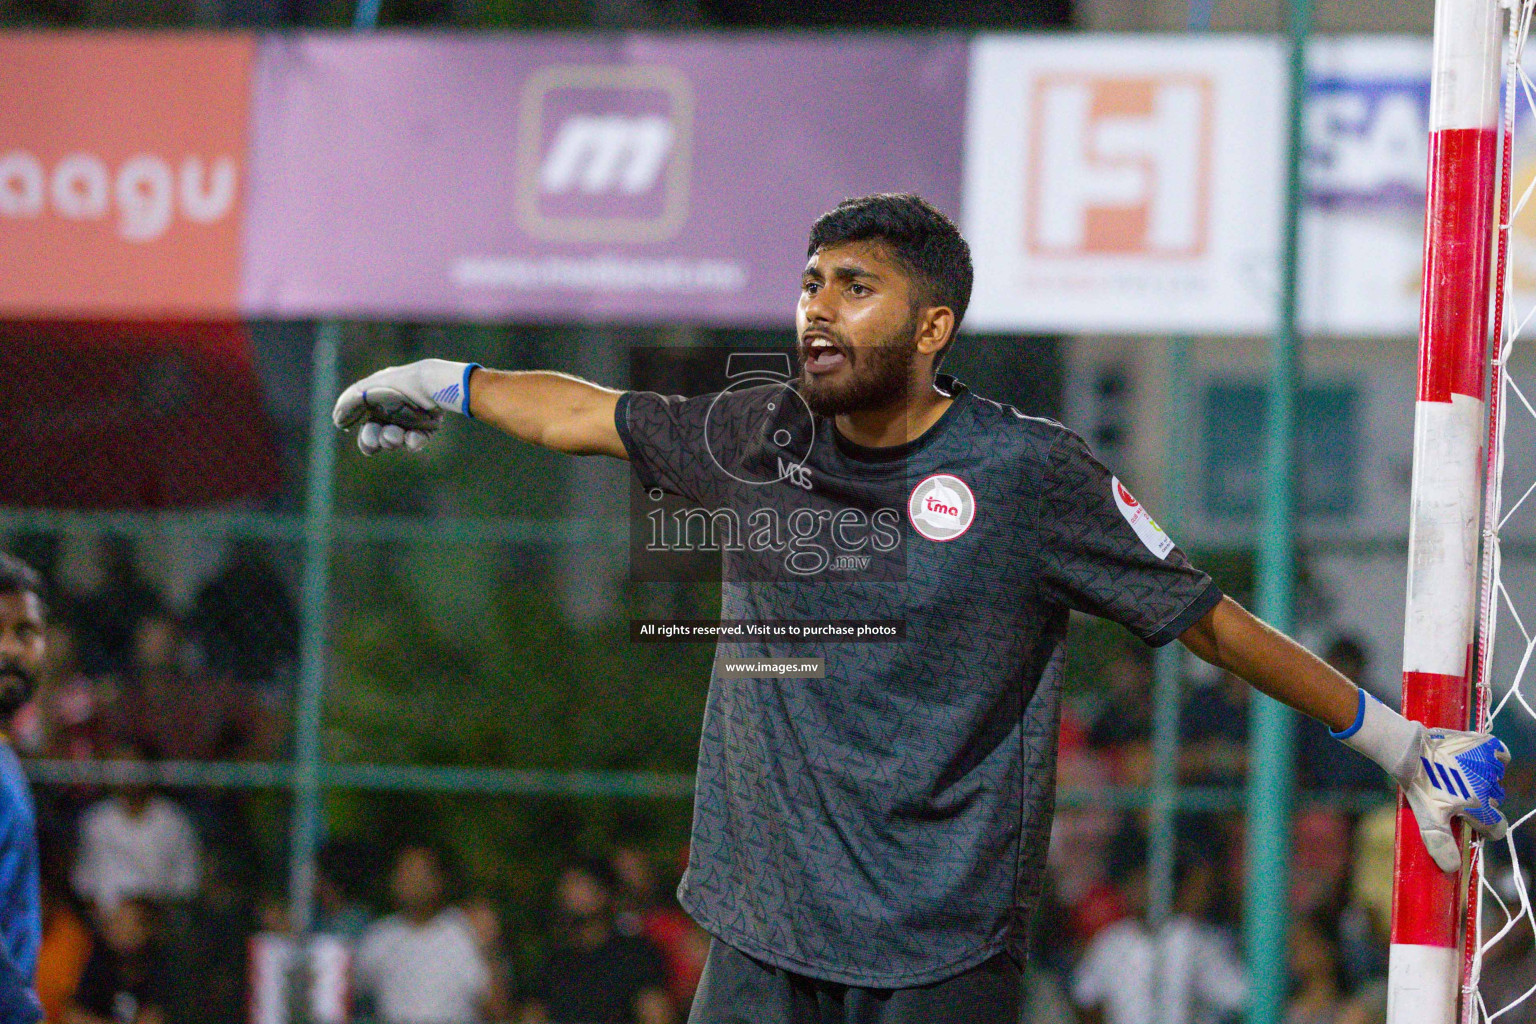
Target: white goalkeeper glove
{"x": 1444, "y": 774}
{"x": 403, "y": 406}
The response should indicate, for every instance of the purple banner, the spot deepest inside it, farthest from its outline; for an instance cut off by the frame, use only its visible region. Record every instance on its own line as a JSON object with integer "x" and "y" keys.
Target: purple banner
{"x": 636, "y": 179}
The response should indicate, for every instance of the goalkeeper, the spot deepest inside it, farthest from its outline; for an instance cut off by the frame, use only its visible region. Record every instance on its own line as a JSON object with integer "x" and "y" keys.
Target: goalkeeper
{"x": 869, "y": 845}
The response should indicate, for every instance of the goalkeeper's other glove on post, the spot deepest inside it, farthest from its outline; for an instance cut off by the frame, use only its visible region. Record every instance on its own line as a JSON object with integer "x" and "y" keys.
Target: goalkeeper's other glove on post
{"x": 1444, "y": 774}
{"x": 403, "y": 406}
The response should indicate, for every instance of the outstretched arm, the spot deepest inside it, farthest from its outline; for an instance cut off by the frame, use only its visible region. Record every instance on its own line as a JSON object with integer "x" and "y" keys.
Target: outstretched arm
{"x": 554, "y": 410}
{"x": 403, "y": 406}
{"x": 1232, "y": 639}
{"x": 1445, "y": 773}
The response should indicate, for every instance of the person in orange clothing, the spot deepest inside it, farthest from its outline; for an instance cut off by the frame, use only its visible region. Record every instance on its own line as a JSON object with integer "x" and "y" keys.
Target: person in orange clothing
{"x": 66, "y": 945}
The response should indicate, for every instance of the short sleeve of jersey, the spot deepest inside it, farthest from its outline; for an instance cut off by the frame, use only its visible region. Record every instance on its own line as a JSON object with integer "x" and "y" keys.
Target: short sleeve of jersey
{"x": 1103, "y": 554}
{"x": 664, "y": 436}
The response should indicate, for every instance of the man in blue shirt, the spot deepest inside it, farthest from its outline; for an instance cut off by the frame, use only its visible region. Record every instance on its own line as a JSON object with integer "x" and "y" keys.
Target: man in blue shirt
{"x": 21, "y": 922}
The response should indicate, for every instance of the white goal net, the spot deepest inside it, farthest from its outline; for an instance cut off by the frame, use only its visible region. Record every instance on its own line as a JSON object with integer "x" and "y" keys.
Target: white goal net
{"x": 1499, "y": 975}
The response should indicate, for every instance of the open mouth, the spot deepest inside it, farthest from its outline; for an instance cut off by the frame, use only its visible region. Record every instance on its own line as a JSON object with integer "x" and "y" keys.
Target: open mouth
{"x": 821, "y": 355}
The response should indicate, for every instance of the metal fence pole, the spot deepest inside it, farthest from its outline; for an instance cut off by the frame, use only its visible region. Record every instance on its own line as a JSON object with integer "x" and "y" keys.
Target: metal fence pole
{"x": 1272, "y": 725}
{"x": 367, "y": 14}
{"x": 314, "y": 605}
{"x": 1168, "y": 669}
{"x": 314, "y": 610}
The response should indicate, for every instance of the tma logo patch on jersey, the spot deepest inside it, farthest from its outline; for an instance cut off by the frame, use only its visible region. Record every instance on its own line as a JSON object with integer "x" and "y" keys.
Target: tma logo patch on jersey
{"x": 1141, "y": 521}
{"x": 942, "y": 507}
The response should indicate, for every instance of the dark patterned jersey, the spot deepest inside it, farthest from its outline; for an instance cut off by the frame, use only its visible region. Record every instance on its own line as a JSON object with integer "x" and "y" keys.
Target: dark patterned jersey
{"x": 886, "y": 825}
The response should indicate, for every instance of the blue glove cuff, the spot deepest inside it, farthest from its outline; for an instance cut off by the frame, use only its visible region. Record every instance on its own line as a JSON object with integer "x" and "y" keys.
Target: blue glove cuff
{"x": 469, "y": 368}
{"x": 1343, "y": 734}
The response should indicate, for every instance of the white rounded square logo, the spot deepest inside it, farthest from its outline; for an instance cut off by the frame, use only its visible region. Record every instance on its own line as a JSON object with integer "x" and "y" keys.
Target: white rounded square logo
{"x": 942, "y": 507}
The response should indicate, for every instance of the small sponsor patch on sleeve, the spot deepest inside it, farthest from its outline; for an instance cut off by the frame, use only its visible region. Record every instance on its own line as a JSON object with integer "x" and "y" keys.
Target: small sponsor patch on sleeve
{"x": 1152, "y": 535}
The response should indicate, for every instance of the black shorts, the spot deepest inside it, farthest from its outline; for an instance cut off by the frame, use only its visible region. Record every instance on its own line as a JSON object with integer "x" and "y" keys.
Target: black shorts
{"x": 736, "y": 989}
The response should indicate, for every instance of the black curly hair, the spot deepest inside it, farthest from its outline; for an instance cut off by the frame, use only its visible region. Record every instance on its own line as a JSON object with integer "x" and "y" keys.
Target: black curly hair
{"x": 17, "y": 577}
{"x": 924, "y": 241}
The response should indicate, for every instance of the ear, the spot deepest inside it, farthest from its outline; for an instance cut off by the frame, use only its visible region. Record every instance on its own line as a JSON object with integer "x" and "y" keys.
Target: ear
{"x": 935, "y": 326}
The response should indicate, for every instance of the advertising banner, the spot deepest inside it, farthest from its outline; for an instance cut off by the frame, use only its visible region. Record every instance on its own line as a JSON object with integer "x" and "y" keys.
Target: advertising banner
{"x": 1110, "y": 184}
{"x": 1124, "y": 183}
{"x": 121, "y": 173}
{"x": 637, "y": 179}
{"x": 1366, "y": 150}
{"x": 1114, "y": 203}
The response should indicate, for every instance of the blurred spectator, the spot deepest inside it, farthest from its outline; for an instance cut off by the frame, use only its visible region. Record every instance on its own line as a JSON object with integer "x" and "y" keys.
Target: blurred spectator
{"x": 1226, "y": 833}
{"x": 1322, "y": 762}
{"x": 1320, "y": 861}
{"x": 1122, "y": 728}
{"x": 274, "y": 915}
{"x": 1188, "y": 966}
{"x": 340, "y": 867}
{"x": 64, "y": 718}
{"x": 1213, "y": 733}
{"x": 208, "y": 944}
{"x": 1365, "y": 921}
{"x": 245, "y": 618}
{"x": 1348, "y": 656}
{"x": 1079, "y": 837}
{"x": 485, "y": 924}
{"x": 67, "y": 942}
{"x": 186, "y": 715}
{"x": 110, "y": 615}
{"x": 136, "y": 843}
{"x": 1367, "y": 915}
{"x": 123, "y": 982}
{"x": 594, "y": 975}
{"x": 423, "y": 964}
{"x": 640, "y": 911}
{"x": 1317, "y": 982}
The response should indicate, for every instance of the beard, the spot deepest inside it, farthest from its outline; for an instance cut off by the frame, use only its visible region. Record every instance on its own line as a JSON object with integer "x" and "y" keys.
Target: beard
{"x": 16, "y": 687}
{"x": 880, "y": 377}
